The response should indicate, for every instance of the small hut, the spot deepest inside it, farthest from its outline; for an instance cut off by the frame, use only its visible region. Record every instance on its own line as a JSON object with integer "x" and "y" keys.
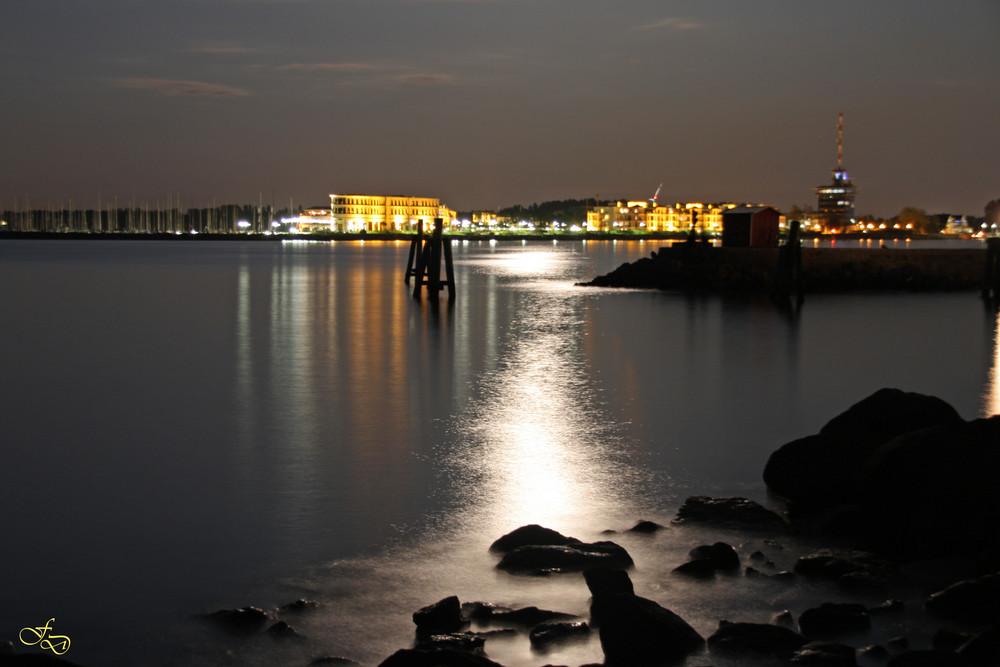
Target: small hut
{"x": 750, "y": 227}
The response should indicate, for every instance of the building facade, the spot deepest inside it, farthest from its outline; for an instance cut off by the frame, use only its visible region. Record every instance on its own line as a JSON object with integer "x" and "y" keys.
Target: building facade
{"x": 377, "y": 213}
{"x": 835, "y": 202}
{"x": 648, "y": 216}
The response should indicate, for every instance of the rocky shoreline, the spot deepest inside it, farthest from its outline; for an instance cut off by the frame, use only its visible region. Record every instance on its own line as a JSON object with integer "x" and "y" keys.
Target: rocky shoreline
{"x": 695, "y": 266}
{"x": 896, "y": 494}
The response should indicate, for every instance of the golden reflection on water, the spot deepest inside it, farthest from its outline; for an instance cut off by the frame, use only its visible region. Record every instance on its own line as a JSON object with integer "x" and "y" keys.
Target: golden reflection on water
{"x": 991, "y": 397}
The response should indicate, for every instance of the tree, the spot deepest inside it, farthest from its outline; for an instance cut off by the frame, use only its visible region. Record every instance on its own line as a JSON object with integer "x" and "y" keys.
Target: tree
{"x": 915, "y": 219}
{"x": 992, "y": 210}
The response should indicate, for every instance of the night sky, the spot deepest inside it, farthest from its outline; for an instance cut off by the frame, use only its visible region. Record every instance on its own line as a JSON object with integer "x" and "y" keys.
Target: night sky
{"x": 488, "y": 103}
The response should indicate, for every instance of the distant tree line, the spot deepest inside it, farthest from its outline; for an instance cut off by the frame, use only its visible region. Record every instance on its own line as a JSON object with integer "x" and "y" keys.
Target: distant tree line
{"x": 570, "y": 211}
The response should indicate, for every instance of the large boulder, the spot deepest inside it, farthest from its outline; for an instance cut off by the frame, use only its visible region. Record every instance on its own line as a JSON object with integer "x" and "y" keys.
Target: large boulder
{"x": 975, "y": 601}
{"x": 436, "y": 657}
{"x": 935, "y": 490}
{"x": 530, "y": 535}
{"x": 540, "y": 559}
{"x": 441, "y": 618}
{"x": 755, "y": 639}
{"x": 637, "y": 632}
{"x": 729, "y": 513}
{"x": 820, "y": 471}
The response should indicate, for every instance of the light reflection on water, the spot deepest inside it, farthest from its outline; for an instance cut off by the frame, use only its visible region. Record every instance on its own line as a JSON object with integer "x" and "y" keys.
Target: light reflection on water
{"x": 259, "y": 422}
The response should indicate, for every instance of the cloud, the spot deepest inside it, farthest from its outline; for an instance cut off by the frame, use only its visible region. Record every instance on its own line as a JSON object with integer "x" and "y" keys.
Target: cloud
{"x": 671, "y": 23}
{"x": 327, "y": 67}
{"x": 235, "y": 49}
{"x": 426, "y": 79}
{"x": 181, "y": 88}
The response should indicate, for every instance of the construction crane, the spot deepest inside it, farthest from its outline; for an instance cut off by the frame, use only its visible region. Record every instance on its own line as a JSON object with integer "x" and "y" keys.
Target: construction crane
{"x": 656, "y": 195}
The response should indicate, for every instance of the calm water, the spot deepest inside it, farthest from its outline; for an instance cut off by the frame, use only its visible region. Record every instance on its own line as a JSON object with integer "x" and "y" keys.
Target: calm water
{"x": 196, "y": 425}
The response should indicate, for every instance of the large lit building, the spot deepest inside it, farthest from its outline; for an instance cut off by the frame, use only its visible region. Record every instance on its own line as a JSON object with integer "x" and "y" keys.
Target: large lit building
{"x": 648, "y": 216}
{"x": 835, "y": 205}
{"x": 376, "y": 213}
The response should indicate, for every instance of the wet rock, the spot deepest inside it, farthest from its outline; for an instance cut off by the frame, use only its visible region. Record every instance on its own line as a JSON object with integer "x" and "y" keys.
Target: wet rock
{"x": 898, "y": 644}
{"x": 784, "y": 618}
{"x": 720, "y": 554}
{"x": 333, "y": 660}
{"x": 729, "y": 513}
{"x": 436, "y": 657}
{"x": 460, "y": 641}
{"x": 481, "y": 611}
{"x": 755, "y": 639}
{"x": 947, "y": 639}
{"x": 546, "y": 635}
{"x": 441, "y": 618}
{"x": 699, "y": 568}
{"x": 874, "y": 652}
{"x": 833, "y": 565}
{"x": 535, "y": 559}
{"x": 299, "y": 606}
{"x": 834, "y": 620}
{"x": 934, "y": 490}
{"x": 825, "y": 654}
{"x": 969, "y": 601}
{"x": 607, "y": 581}
{"x": 887, "y": 607}
{"x": 645, "y": 527}
{"x": 822, "y": 470}
{"x": 929, "y": 658}
{"x": 244, "y": 619}
{"x": 528, "y": 617}
{"x": 281, "y": 630}
{"x": 637, "y": 632}
{"x": 982, "y": 649}
{"x": 530, "y": 535}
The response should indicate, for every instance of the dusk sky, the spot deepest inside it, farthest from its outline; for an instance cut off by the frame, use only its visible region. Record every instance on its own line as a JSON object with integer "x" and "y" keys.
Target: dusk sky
{"x": 488, "y": 103}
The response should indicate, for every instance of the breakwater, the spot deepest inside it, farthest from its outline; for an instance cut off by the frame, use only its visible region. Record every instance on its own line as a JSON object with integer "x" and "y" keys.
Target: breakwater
{"x": 700, "y": 267}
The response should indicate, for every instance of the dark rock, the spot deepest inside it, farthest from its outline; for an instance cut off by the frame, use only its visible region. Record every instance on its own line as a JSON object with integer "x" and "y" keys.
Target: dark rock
{"x": 982, "y": 649}
{"x": 436, "y": 657}
{"x": 636, "y": 632}
{"x": 699, "y": 568}
{"x": 833, "y": 620}
{"x": 832, "y": 565}
{"x": 946, "y": 639}
{"x": 244, "y": 619}
{"x": 282, "y": 630}
{"x": 934, "y": 490}
{"x": 481, "y": 611}
{"x": 784, "y": 618}
{"x": 925, "y": 659}
{"x": 970, "y": 601}
{"x": 299, "y": 606}
{"x": 722, "y": 555}
{"x": 460, "y": 641}
{"x": 566, "y": 558}
{"x": 755, "y": 639}
{"x": 729, "y": 513}
{"x": 822, "y": 471}
{"x": 887, "y": 607}
{"x": 544, "y": 636}
{"x": 530, "y": 535}
{"x": 825, "y": 654}
{"x": 874, "y": 652}
{"x": 607, "y": 581}
{"x": 333, "y": 660}
{"x": 898, "y": 644}
{"x": 646, "y": 527}
{"x": 528, "y": 617}
{"x": 441, "y": 618}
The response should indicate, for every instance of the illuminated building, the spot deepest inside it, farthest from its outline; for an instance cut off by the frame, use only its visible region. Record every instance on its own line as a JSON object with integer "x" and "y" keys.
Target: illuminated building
{"x": 835, "y": 204}
{"x": 648, "y": 216}
{"x": 376, "y": 213}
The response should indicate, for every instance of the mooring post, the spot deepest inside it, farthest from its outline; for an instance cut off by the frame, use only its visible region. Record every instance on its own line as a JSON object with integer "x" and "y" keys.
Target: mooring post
{"x": 416, "y": 245}
{"x": 991, "y": 279}
{"x": 428, "y": 258}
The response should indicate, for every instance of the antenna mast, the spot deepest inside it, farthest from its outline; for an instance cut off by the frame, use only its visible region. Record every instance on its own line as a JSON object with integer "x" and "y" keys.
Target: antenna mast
{"x": 840, "y": 141}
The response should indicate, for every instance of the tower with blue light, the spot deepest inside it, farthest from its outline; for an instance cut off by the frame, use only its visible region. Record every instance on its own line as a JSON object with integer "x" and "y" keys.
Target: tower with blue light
{"x": 836, "y": 201}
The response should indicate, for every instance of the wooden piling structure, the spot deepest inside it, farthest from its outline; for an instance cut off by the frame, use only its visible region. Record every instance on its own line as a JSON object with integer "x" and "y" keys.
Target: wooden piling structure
{"x": 788, "y": 273}
{"x": 424, "y": 262}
